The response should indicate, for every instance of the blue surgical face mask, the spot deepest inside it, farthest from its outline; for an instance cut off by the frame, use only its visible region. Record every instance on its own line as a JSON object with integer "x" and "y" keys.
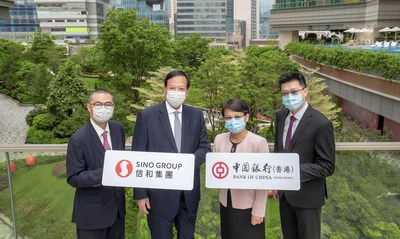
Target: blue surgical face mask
{"x": 235, "y": 125}
{"x": 292, "y": 102}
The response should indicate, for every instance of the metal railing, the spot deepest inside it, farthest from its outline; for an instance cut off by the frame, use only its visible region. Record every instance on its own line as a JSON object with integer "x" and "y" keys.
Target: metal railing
{"x": 54, "y": 148}
{"x": 61, "y": 148}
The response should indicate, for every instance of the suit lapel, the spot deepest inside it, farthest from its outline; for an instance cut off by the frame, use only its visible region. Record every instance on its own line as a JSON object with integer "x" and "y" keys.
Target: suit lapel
{"x": 305, "y": 120}
{"x": 96, "y": 140}
{"x": 164, "y": 121}
{"x": 185, "y": 126}
{"x": 281, "y": 127}
{"x": 114, "y": 137}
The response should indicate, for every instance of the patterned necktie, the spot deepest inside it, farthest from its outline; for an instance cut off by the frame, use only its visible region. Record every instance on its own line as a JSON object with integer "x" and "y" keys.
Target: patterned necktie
{"x": 289, "y": 134}
{"x": 177, "y": 131}
{"x": 106, "y": 145}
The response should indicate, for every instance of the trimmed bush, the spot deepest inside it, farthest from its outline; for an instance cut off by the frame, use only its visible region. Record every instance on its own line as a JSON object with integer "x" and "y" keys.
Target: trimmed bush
{"x": 386, "y": 65}
{"x": 33, "y": 113}
{"x": 45, "y": 121}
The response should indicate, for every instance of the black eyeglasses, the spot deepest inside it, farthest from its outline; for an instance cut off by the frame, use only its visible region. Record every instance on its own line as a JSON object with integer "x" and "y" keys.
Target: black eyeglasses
{"x": 99, "y": 105}
{"x": 292, "y": 92}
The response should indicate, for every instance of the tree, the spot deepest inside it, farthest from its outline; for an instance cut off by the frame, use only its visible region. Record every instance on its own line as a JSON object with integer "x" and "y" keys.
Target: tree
{"x": 66, "y": 91}
{"x": 33, "y": 80}
{"x": 44, "y": 50}
{"x": 152, "y": 91}
{"x": 216, "y": 77}
{"x": 86, "y": 57}
{"x": 11, "y": 53}
{"x": 258, "y": 87}
{"x": 320, "y": 100}
{"x": 190, "y": 52}
{"x": 131, "y": 47}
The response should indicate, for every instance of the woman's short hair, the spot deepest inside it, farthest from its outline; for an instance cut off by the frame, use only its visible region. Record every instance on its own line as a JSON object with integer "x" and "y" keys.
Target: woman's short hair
{"x": 235, "y": 104}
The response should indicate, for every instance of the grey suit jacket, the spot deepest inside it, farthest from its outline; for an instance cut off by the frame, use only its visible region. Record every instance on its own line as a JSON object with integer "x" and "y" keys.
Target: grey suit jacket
{"x": 314, "y": 141}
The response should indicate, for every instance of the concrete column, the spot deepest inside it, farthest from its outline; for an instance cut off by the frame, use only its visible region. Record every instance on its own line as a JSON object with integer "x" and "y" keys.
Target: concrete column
{"x": 287, "y": 36}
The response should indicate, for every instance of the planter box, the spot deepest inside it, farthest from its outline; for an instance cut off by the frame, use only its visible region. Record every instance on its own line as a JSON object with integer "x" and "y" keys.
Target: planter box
{"x": 366, "y": 81}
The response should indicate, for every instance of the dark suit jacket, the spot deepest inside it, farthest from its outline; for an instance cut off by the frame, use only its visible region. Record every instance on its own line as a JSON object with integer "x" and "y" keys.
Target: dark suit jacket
{"x": 95, "y": 206}
{"x": 314, "y": 141}
{"x": 153, "y": 133}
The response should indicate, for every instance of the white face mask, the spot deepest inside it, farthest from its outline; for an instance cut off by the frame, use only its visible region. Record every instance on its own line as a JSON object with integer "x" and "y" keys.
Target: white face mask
{"x": 102, "y": 114}
{"x": 176, "y": 98}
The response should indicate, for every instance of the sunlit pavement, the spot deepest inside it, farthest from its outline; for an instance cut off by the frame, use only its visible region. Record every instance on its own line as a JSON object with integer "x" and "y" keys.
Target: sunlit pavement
{"x": 12, "y": 123}
{"x": 6, "y": 231}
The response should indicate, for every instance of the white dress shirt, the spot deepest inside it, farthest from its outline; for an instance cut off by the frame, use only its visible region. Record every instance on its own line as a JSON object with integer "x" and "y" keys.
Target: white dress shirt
{"x": 100, "y": 131}
{"x": 171, "y": 115}
{"x": 298, "y": 117}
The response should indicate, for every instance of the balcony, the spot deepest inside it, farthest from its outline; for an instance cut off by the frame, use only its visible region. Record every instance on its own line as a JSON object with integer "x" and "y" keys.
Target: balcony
{"x": 363, "y": 194}
{"x": 313, "y": 3}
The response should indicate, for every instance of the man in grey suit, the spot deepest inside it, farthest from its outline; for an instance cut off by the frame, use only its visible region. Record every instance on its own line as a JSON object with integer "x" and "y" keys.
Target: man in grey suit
{"x": 172, "y": 127}
{"x": 303, "y": 130}
{"x": 99, "y": 211}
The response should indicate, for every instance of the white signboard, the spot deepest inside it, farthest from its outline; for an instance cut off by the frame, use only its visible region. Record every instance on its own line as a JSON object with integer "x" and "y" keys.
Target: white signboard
{"x": 148, "y": 170}
{"x": 279, "y": 171}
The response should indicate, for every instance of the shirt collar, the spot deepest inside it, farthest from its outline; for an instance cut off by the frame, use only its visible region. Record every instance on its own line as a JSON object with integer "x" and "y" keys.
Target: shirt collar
{"x": 299, "y": 113}
{"x": 172, "y": 110}
{"x": 98, "y": 129}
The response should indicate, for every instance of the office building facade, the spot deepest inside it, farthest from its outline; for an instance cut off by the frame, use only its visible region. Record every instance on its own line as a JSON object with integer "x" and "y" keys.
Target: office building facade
{"x": 211, "y": 19}
{"x": 157, "y": 11}
{"x": 288, "y": 17}
{"x": 72, "y": 20}
{"x": 23, "y": 18}
{"x": 4, "y": 8}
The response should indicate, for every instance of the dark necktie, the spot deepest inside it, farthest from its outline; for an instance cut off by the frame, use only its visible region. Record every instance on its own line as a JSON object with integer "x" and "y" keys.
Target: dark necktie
{"x": 106, "y": 145}
{"x": 177, "y": 131}
{"x": 289, "y": 133}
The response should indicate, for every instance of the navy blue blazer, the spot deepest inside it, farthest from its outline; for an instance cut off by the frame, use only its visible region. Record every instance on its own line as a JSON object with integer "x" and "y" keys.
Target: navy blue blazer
{"x": 153, "y": 133}
{"x": 95, "y": 206}
{"x": 314, "y": 141}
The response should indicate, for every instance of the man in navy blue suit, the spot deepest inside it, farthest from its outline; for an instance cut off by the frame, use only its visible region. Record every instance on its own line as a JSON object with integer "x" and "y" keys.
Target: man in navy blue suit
{"x": 155, "y": 131}
{"x": 303, "y": 130}
{"x": 99, "y": 211}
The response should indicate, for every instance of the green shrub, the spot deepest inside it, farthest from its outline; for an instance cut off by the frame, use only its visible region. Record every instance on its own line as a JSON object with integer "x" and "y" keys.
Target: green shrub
{"x": 386, "y": 65}
{"x": 45, "y": 121}
{"x": 33, "y": 113}
{"x": 38, "y": 136}
{"x": 68, "y": 126}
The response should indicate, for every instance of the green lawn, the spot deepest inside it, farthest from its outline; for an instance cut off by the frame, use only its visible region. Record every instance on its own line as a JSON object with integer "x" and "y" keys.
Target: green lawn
{"x": 43, "y": 206}
{"x": 90, "y": 82}
{"x": 43, "y": 203}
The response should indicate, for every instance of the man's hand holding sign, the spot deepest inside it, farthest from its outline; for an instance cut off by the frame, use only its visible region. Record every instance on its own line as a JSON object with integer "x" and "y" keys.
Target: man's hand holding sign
{"x": 148, "y": 170}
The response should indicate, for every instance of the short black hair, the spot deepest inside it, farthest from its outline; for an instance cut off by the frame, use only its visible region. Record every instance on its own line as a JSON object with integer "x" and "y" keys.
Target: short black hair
{"x": 293, "y": 76}
{"x": 104, "y": 91}
{"x": 177, "y": 73}
{"x": 235, "y": 104}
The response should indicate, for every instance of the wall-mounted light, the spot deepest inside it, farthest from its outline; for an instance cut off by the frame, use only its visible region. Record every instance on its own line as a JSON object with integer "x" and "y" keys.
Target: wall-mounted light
{"x": 327, "y": 27}
{"x": 309, "y": 27}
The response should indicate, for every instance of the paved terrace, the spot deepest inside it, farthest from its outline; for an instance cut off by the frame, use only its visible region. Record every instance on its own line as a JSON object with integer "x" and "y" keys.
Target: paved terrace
{"x": 12, "y": 122}
{"x": 14, "y": 131}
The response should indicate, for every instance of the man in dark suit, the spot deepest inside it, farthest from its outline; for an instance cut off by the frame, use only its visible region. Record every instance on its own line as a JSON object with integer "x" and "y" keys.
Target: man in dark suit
{"x": 99, "y": 211}
{"x": 156, "y": 131}
{"x": 303, "y": 130}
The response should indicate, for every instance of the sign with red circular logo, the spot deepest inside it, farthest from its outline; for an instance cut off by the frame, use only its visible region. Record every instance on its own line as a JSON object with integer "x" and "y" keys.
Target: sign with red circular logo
{"x": 124, "y": 168}
{"x": 220, "y": 170}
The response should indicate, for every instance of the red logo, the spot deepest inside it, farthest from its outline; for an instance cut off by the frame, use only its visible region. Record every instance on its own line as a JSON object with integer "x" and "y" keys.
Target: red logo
{"x": 220, "y": 170}
{"x": 124, "y": 168}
